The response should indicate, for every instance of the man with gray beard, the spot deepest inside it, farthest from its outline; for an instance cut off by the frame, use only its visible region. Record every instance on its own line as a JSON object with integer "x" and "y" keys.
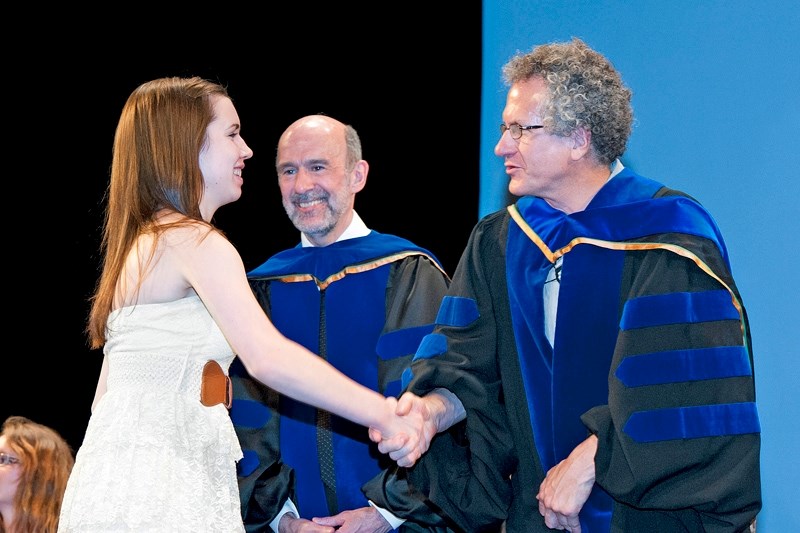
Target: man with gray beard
{"x": 361, "y": 299}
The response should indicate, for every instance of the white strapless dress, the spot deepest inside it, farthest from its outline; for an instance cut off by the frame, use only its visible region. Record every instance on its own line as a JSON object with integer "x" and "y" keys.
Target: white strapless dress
{"x": 154, "y": 459}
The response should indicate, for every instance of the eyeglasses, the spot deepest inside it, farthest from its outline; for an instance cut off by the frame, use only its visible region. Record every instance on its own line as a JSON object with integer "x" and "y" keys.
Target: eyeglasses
{"x": 6, "y": 459}
{"x": 516, "y": 130}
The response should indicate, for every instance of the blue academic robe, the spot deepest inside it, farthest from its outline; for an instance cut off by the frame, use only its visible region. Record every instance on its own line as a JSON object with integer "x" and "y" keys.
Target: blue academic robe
{"x": 363, "y": 304}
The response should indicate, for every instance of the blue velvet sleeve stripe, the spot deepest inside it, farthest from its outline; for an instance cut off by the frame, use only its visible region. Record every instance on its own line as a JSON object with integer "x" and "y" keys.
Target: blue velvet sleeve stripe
{"x": 457, "y": 311}
{"x": 693, "y": 422}
{"x": 401, "y": 342}
{"x": 247, "y": 464}
{"x": 249, "y": 413}
{"x": 678, "y": 308}
{"x": 431, "y": 346}
{"x": 684, "y": 365}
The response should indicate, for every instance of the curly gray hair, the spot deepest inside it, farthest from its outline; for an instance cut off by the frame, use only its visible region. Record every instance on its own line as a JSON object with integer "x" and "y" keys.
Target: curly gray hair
{"x": 586, "y": 91}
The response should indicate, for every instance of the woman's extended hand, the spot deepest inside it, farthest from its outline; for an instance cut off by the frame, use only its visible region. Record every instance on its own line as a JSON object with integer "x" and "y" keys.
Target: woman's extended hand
{"x": 418, "y": 416}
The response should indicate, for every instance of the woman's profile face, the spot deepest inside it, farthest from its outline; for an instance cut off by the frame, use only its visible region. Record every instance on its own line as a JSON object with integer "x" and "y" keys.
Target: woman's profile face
{"x": 223, "y": 155}
{"x": 9, "y": 475}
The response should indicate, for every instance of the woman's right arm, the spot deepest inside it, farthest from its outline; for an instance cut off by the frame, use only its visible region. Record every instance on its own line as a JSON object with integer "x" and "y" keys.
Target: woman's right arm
{"x": 215, "y": 270}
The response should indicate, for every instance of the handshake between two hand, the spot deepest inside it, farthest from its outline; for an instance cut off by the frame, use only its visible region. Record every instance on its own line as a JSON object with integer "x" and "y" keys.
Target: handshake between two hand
{"x": 414, "y": 424}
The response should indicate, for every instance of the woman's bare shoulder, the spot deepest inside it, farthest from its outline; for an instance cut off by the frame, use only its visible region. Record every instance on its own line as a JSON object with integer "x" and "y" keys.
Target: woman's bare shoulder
{"x": 198, "y": 247}
{"x": 193, "y": 237}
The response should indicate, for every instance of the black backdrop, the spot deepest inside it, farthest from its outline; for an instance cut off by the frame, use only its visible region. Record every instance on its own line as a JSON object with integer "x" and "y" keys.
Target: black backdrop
{"x": 409, "y": 83}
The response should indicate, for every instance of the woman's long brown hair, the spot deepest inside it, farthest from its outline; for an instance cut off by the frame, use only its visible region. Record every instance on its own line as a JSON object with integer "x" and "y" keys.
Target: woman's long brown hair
{"x": 155, "y": 167}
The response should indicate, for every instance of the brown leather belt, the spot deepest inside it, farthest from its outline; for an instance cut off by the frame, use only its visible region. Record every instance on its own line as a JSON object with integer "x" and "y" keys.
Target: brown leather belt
{"x": 216, "y": 387}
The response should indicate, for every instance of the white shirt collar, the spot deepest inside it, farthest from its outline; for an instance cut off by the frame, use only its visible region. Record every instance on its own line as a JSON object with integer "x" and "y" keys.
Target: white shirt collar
{"x": 616, "y": 168}
{"x": 357, "y": 228}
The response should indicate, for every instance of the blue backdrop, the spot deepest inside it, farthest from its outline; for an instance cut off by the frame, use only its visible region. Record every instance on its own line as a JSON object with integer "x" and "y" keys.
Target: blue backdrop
{"x": 715, "y": 100}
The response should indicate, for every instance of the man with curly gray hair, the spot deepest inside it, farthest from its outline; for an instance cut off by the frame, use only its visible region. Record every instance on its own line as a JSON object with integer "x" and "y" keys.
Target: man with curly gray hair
{"x": 591, "y": 368}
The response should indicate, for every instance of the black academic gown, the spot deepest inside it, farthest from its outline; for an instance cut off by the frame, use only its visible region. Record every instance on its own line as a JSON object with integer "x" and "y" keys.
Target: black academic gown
{"x": 652, "y": 353}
